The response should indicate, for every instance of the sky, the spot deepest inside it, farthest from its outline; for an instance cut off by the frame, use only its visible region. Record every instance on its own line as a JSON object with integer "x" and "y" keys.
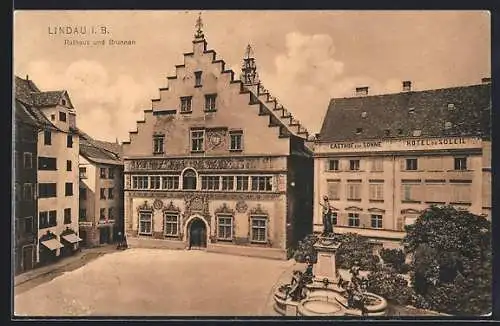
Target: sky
{"x": 304, "y": 58}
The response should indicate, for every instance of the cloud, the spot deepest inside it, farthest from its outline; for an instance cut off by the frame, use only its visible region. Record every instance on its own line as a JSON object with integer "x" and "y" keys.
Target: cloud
{"x": 107, "y": 105}
{"x": 308, "y": 75}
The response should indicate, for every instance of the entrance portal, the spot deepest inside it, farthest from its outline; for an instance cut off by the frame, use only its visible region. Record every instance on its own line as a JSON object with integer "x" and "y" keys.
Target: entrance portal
{"x": 197, "y": 234}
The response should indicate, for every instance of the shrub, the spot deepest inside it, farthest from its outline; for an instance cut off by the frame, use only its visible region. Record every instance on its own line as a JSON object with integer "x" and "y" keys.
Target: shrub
{"x": 388, "y": 284}
{"x": 355, "y": 249}
{"x": 395, "y": 258}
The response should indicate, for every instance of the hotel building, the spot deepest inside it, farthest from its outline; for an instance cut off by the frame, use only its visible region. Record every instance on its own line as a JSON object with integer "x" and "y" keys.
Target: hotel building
{"x": 217, "y": 163}
{"x": 101, "y": 191}
{"x": 56, "y": 164}
{"x": 382, "y": 160}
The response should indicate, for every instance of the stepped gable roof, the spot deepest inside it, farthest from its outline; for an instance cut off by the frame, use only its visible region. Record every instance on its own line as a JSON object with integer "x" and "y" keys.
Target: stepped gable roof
{"x": 456, "y": 111}
{"x": 99, "y": 151}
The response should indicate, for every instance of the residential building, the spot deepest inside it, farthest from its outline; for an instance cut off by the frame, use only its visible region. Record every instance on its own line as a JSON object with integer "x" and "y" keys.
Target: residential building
{"x": 217, "y": 163}
{"x": 57, "y": 176}
{"x": 100, "y": 191}
{"x": 383, "y": 159}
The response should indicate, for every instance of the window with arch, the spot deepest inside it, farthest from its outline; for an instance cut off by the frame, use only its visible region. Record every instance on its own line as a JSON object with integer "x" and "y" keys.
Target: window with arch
{"x": 189, "y": 180}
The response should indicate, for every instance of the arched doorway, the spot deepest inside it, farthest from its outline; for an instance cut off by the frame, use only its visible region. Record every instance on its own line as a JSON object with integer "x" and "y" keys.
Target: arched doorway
{"x": 197, "y": 234}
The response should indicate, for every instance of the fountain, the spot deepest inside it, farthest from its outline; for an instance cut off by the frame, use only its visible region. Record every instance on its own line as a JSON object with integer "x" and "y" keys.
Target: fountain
{"x": 320, "y": 291}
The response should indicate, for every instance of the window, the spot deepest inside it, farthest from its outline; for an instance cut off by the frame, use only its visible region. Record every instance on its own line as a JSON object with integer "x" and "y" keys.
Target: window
{"x": 67, "y": 216}
{"x": 447, "y": 125}
{"x": 170, "y": 182}
{"x": 411, "y": 164}
{"x": 47, "y": 137}
{"x": 353, "y": 219}
{"x": 460, "y": 163}
{"x": 377, "y": 191}
{"x": 186, "y": 104}
{"x": 83, "y": 193}
{"x": 189, "y": 180}
{"x": 261, "y": 183}
{"x": 333, "y": 189}
{"x": 63, "y": 102}
{"x": 158, "y": 144}
{"x": 47, "y": 163}
{"x": 52, "y": 117}
{"x": 197, "y": 144}
{"x": 334, "y": 218}
{"x": 102, "y": 213}
{"x": 83, "y": 173}
{"x": 52, "y": 218}
{"x": 417, "y": 133}
{"x": 28, "y": 225}
{"x": 227, "y": 183}
{"x": 155, "y": 182}
{"x": 68, "y": 190}
{"x": 83, "y": 215}
{"x": 359, "y": 131}
{"x": 236, "y": 140}
{"x": 103, "y": 193}
{"x": 102, "y": 173}
{"x": 28, "y": 191}
{"x": 28, "y": 160}
{"x": 111, "y": 214}
{"x": 387, "y": 132}
{"x": 210, "y": 102}
{"x": 62, "y": 116}
{"x": 43, "y": 220}
{"x": 68, "y": 165}
{"x": 225, "y": 227}
{"x": 410, "y": 192}
{"x": 111, "y": 173}
{"x": 461, "y": 193}
{"x": 69, "y": 141}
{"x": 210, "y": 182}
{"x": 47, "y": 190}
{"x": 171, "y": 225}
{"x": 259, "y": 229}
{"x": 145, "y": 223}
{"x": 376, "y": 221}
{"x": 333, "y": 165}
{"x": 354, "y": 191}
{"x": 197, "y": 77}
{"x": 18, "y": 191}
{"x": 242, "y": 182}
{"x": 377, "y": 165}
{"x": 140, "y": 182}
{"x": 110, "y": 193}
{"x": 354, "y": 165}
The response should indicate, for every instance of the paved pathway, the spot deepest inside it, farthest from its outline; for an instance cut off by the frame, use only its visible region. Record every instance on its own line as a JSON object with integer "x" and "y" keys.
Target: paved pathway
{"x": 156, "y": 282}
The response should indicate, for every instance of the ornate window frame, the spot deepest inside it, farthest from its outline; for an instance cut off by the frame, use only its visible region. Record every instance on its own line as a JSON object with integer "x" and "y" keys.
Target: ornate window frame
{"x": 171, "y": 210}
{"x": 145, "y": 209}
{"x": 224, "y": 212}
{"x": 258, "y": 213}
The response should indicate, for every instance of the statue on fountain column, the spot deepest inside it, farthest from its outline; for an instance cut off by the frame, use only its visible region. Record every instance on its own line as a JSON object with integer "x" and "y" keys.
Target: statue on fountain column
{"x": 327, "y": 217}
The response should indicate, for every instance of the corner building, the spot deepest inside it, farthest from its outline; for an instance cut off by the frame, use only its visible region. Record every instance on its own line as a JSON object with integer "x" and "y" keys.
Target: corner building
{"x": 217, "y": 163}
{"x": 382, "y": 160}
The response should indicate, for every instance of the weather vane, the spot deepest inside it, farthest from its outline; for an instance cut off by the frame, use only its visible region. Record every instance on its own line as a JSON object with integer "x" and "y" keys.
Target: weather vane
{"x": 199, "y": 26}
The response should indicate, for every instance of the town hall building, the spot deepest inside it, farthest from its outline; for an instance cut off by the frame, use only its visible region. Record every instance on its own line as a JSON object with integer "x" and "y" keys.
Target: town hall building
{"x": 218, "y": 164}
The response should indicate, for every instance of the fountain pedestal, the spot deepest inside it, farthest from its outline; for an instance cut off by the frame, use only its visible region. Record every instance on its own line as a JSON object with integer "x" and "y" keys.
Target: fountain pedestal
{"x": 325, "y": 267}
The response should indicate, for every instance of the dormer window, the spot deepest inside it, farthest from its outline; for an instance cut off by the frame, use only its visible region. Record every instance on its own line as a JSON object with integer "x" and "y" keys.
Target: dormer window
{"x": 417, "y": 133}
{"x": 387, "y": 132}
{"x": 364, "y": 114}
{"x": 62, "y": 116}
{"x": 359, "y": 130}
{"x": 197, "y": 77}
{"x": 63, "y": 102}
{"x": 447, "y": 125}
{"x": 411, "y": 110}
{"x": 451, "y": 106}
{"x": 210, "y": 102}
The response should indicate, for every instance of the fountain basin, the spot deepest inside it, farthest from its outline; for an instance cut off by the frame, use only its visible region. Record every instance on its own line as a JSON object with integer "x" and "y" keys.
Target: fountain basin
{"x": 317, "y": 306}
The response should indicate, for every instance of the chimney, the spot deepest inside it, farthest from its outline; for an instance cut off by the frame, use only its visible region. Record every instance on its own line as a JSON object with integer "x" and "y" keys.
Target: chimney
{"x": 486, "y": 80}
{"x": 28, "y": 77}
{"x": 362, "y": 91}
{"x": 407, "y": 86}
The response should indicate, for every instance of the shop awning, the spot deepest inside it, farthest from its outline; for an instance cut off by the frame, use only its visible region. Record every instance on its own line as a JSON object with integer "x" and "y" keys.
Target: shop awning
{"x": 52, "y": 244}
{"x": 73, "y": 238}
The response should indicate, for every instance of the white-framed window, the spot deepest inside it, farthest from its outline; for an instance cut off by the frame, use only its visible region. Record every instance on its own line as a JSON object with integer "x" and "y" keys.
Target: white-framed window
{"x": 210, "y": 100}
{"x": 140, "y": 182}
{"x": 186, "y": 104}
{"x": 353, "y": 219}
{"x": 236, "y": 140}
{"x": 145, "y": 223}
{"x": 333, "y": 189}
{"x": 460, "y": 163}
{"x": 210, "y": 182}
{"x": 354, "y": 165}
{"x": 158, "y": 143}
{"x": 227, "y": 182}
{"x": 258, "y": 231}
{"x": 197, "y": 140}
{"x": 354, "y": 191}
{"x": 170, "y": 182}
{"x": 242, "y": 182}
{"x": 376, "y": 221}
{"x": 224, "y": 227}
{"x": 189, "y": 180}
{"x": 171, "y": 224}
{"x": 28, "y": 160}
{"x": 155, "y": 182}
{"x": 262, "y": 183}
{"x": 376, "y": 191}
{"x": 411, "y": 164}
{"x": 333, "y": 165}
{"x": 377, "y": 165}
{"x": 83, "y": 172}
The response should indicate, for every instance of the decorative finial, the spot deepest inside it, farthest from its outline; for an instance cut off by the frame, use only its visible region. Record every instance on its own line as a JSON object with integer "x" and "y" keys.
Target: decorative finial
{"x": 249, "y": 74}
{"x": 199, "y": 28}
{"x": 249, "y": 52}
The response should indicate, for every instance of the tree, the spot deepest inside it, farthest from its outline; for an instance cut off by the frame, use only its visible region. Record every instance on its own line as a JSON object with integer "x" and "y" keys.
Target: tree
{"x": 451, "y": 260}
{"x": 355, "y": 249}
